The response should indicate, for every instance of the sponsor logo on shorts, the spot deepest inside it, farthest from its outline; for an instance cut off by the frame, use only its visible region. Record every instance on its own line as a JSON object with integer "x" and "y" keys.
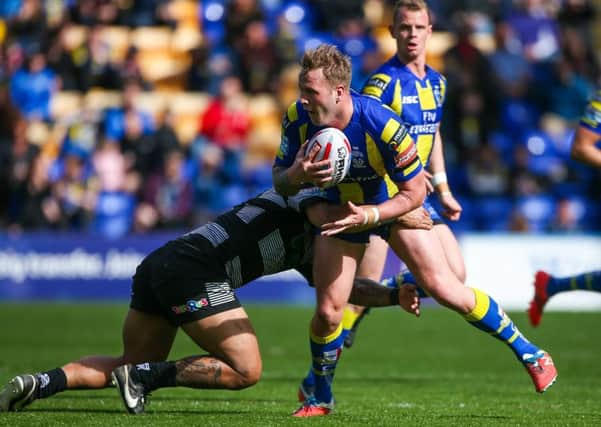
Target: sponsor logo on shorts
{"x": 190, "y": 306}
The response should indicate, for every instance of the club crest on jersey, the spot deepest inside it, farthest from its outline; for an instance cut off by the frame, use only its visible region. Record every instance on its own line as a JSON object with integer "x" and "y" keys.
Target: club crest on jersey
{"x": 358, "y": 160}
{"x": 437, "y": 95}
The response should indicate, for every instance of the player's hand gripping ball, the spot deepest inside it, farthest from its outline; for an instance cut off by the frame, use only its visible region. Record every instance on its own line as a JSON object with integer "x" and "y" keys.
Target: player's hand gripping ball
{"x": 333, "y": 145}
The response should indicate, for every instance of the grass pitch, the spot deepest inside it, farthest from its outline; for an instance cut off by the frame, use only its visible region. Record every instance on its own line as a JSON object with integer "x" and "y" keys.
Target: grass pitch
{"x": 431, "y": 371}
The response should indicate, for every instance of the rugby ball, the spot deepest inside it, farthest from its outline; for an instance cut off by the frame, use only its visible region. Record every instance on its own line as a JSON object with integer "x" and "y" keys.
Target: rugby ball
{"x": 333, "y": 145}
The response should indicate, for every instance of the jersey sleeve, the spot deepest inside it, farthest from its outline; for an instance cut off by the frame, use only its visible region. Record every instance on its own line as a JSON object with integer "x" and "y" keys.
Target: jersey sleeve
{"x": 591, "y": 119}
{"x": 398, "y": 150}
{"x": 291, "y": 136}
{"x": 380, "y": 86}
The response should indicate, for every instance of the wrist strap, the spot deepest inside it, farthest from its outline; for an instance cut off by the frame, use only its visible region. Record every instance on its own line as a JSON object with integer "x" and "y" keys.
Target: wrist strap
{"x": 439, "y": 178}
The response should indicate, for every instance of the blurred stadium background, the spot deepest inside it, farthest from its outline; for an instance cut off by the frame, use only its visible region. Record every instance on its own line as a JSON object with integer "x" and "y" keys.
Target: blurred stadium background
{"x": 126, "y": 122}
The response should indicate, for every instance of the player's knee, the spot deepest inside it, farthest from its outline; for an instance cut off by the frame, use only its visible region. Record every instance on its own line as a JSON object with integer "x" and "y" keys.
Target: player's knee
{"x": 329, "y": 315}
{"x": 248, "y": 376}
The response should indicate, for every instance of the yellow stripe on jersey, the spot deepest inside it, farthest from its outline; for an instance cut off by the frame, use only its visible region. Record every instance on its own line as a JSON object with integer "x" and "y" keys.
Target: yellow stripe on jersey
{"x": 481, "y": 307}
{"x": 424, "y": 147}
{"x": 596, "y": 105}
{"x": 351, "y": 192}
{"x": 292, "y": 113}
{"x": 411, "y": 168}
{"x": 375, "y": 160}
{"x": 391, "y": 134}
{"x": 376, "y": 85}
{"x": 397, "y": 98}
{"x": 426, "y": 96}
{"x": 302, "y": 132}
{"x": 443, "y": 89}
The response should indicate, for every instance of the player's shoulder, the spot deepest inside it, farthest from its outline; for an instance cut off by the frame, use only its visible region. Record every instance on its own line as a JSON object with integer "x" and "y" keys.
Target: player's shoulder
{"x": 295, "y": 115}
{"x": 380, "y": 80}
{"x": 368, "y": 106}
{"x": 434, "y": 73}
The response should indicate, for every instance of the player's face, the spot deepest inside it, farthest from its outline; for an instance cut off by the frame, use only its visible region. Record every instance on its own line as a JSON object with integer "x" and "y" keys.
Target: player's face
{"x": 317, "y": 97}
{"x": 411, "y": 30}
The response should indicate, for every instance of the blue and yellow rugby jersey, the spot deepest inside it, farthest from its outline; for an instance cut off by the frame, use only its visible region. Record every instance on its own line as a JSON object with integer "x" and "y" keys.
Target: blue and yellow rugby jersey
{"x": 382, "y": 150}
{"x": 418, "y": 102}
{"x": 591, "y": 119}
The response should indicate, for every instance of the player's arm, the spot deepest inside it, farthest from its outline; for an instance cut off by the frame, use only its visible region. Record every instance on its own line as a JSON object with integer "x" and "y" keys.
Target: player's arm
{"x": 450, "y": 206}
{"x": 369, "y": 293}
{"x": 584, "y": 147}
{"x": 321, "y": 213}
{"x": 288, "y": 180}
{"x": 410, "y": 196}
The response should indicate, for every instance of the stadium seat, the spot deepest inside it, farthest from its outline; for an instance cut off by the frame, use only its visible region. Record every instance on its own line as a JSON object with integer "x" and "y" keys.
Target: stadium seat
{"x": 538, "y": 211}
{"x": 113, "y": 215}
{"x": 492, "y": 213}
{"x": 64, "y": 104}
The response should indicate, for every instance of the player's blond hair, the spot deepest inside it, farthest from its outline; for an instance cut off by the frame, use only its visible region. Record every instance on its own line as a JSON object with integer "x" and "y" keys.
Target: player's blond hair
{"x": 335, "y": 65}
{"x": 413, "y": 5}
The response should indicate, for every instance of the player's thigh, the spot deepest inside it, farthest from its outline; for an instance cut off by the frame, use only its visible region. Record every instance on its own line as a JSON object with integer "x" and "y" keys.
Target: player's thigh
{"x": 422, "y": 252}
{"x": 334, "y": 265}
{"x": 452, "y": 250}
{"x": 146, "y": 337}
{"x": 374, "y": 258}
{"x": 228, "y": 335}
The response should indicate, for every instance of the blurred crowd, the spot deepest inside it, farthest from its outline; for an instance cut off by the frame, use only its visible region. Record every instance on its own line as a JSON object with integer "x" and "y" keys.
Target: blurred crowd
{"x": 126, "y": 116}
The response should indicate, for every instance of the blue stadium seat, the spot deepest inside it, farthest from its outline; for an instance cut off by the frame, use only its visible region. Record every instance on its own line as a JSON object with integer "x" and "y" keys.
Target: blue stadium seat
{"x": 537, "y": 210}
{"x": 492, "y": 213}
{"x": 113, "y": 217}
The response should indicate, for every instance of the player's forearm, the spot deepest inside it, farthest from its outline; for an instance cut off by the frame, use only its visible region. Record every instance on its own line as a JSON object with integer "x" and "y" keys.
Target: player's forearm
{"x": 410, "y": 196}
{"x": 369, "y": 293}
{"x": 286, "y": 181}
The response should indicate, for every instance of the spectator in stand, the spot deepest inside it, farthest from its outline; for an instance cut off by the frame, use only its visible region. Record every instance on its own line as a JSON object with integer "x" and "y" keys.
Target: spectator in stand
{"x": 32, "y": 86}
{"x": 569, "y": 91}
{"x": 238, "y": 15}
{"x": 74, "y": 192}
{"x": 116, "y": 118}
{"x": 28, "y": 27}
{"x": 41, "y": 210}
{"x": 352, "y": 38}
{"x": 259, "y": 64}
{"x": 487, "y": 174}
{"x": 98, "y": 70}
{"x": 328, "y": 21}
{"x": 511, "y": 71}
{"x": 169, "y": 194}
{"x": 18, "y": 163}
{"x": 537, "y": 30}
{"x": 471, "y": 107}
{"x": 226, "y": 123}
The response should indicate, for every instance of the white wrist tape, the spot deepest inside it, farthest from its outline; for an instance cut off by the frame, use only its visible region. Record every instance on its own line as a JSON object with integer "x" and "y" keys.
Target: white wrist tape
{"x": 439, "y": 178}
{"x": 376, "y": 215}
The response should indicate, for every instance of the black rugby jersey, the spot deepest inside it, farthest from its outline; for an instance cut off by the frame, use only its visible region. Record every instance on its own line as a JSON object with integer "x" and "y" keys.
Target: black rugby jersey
{"x": 264, "y": 235}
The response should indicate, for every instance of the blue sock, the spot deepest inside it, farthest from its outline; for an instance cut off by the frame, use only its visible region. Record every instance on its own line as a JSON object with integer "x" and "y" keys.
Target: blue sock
{"x": 489, "y": 317}
{"x": 585, "y": 282}
{"x": 309, "y": 380}
{"x": 325, "y": 352}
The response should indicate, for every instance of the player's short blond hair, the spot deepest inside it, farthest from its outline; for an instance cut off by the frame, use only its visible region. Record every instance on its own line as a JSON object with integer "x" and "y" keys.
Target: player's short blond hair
{"x": 336, "y": 66}
{"x": 413, "y": 5}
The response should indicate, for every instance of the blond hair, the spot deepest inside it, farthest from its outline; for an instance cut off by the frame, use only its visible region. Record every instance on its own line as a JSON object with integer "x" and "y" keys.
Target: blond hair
{"x": 413, "y": 5}
{"x": 335, "y": 65}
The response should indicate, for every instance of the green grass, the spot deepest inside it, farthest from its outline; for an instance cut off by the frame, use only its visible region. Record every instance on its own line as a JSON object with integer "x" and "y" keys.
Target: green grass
{"x": 432, "y": 371}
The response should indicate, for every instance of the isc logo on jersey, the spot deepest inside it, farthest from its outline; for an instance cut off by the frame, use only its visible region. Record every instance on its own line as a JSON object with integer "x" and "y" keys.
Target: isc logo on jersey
{"x": 332, "y": 144}
{"x": 414, "y": 99}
